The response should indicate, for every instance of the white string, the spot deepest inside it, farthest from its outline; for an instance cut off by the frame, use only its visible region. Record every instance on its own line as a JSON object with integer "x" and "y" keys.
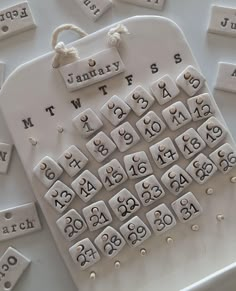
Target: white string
{"x": 64, "y": 55}
{"x": 114, "y": 34}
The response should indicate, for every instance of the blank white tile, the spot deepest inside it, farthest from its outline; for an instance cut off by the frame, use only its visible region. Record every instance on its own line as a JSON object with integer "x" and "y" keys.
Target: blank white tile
{"x": 139, "y": 100}
{"x": 187, "y": 207}
{"x": 95, "y": 8}
{"x": 137, "y": 165}
{"x": 59, "y": 196}
{"x": 176, "y": 179}
{"x": 164, "y": 89}
{"x": 124, "y": 204}
{"x": 201, "y": 169}
{"x": 190, "y": 81}
{"x": 112, "y": 175}
{"x": 212, "y": 132}
{"x": 164, "y": 153}
{"x": 226, "y": 77}
{"x": 224, "y": 158}
{"x": 115, "y": 110}
{"x": 101, "y": 146}
{"x": 201, "y": 107}
{"x": 125, "y": 137}
{"x": 87, "y": 122}
{"x": 5, "y": 157}
{"x": 149, "y": 190}
{"x": 150, "y": 126}
{"x": 110, "y": 242}
{"x": 161, "y": 219}
{"x": 176, "y": 115}
{"x": 73, "y": 161}
{"x": 86, "y": 186}
{"x": 47, "y": 171}
{"x": 84, "y": 254}
{"x": 135, "y": 232}
{"x": 71, "y": 225}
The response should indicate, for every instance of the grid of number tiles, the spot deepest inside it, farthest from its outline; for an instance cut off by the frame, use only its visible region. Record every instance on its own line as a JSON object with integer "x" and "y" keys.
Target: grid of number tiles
{"x": 136, "y": 166}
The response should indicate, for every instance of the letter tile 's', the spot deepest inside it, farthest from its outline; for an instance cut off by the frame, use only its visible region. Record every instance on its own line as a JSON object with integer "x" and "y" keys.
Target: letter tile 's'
{"x": 86, "y": 186}
{"x": 139, "y": 100}
{"x": 164, "y": 89}
{"x": 191, "y": 81}
{"x": 5, "y": 157}
{"x": 224, "y": 158}
{"x": 87, "y": 122}
{"x": 84, "y": 254}
{"x": 110, "y": 242}
{"x": 73, "y": 161}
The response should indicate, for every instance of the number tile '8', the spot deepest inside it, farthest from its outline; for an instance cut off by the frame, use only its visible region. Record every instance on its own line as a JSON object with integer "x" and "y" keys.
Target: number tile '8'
{"x": 187, "y": 207}
{"x": 84, "y": 254}
{"x": 59, "y": 196}
{"x": 161, "y": 219}
{"x": 135, "y": 231}
{"x": 110, "y": 242}
{"x": 71, "y": 225}
{"x": 47, "y": 171}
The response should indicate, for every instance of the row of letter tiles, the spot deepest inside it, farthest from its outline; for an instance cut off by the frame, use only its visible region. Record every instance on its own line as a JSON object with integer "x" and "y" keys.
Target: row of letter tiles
{"x": 110, "y": 242}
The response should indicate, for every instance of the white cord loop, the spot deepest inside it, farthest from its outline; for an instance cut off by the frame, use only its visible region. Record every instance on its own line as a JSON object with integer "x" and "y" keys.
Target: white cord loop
{"x": 114, "y": 34}
{"x": 64, "y": 55}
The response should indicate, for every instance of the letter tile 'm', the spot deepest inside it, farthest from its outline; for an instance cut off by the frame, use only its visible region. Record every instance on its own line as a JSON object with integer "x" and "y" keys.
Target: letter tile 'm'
{"x": 176, "y": 115}
{"x": 86, "y": 186}
{"x": 71, "y": 225}
{"x": 176, "y": 179}
{"x": 164, "y": 153}
{"x": 212, "y": 131}
{"x": 13, "y": 264}
{"x": 5, "y": 157}
{"x": 139, "y": 100}
{"x": 47, "y": 171}
{"x": 73, "y": 161}
{"x": 201, "y": 169}
{"x": 191, "y": 81}
{"x": 94, "y": 8}
{"x": 110, "y": 242}
{"x": 97, "y": 215}
{"x": 164, "y": 89}
{"x": 84, "y": 254}
{"x": 125, "y": 136}
{"x": 59, "y": 196}
{"x": 201, "y": 107}
{"x": 190, "y": 143}
{"x": 161, "y": 219}
{"x": 150, "y": 126}
{"x": 101, "y": 146}
{"x": 137, "y": 165}
{"x": 115, "y": 110}
{"x": 124, "y": 204}
{"x": 224, "y": 158}
{"x": 87, "y": 122}
{"x": 187, "y": 207}
{"x": 112, "y": 175}
{"x": 149, "y": 190}
{"x": 135, "y": 232}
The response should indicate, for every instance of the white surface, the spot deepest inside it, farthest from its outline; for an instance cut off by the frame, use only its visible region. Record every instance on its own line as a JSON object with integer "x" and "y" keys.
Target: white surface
{"x": 47, "y": 270}
{"x": 226, "y": 77}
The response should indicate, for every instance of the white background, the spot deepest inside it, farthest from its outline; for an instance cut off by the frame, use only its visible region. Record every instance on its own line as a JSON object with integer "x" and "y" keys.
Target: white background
{"x": 47, "y": 271}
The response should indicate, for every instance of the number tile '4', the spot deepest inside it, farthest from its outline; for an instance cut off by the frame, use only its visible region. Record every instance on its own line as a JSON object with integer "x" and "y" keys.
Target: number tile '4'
{"x": 161, "y": 219}
{"x": 59, "y": 196}
{"x": 86, "y": 186}
{"x": 139, "y": 100}
{"x": 84, "y": 254}
{"x": 97, "y": 215}
{"x": 71, "y": 225}
{"x": 224, "y": 158}
{"x": 137, "y": 165}
{"x": 187, "y": 207}
{"x": 110, "y": 242}
{"x": 124, "y": 204}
